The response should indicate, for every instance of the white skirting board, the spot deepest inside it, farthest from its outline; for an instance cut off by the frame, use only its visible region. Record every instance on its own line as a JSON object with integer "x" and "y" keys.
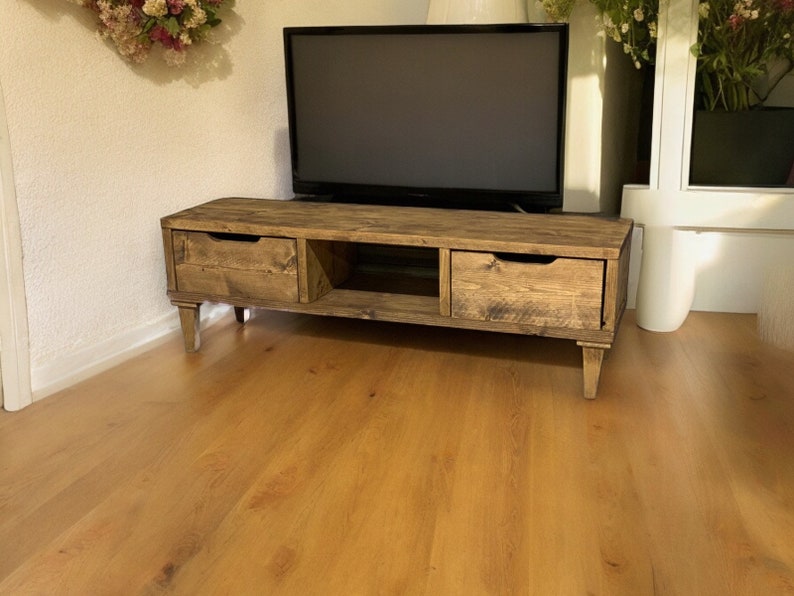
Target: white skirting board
{"x": 776, "y": 311}
{"x": 80, "y": 365}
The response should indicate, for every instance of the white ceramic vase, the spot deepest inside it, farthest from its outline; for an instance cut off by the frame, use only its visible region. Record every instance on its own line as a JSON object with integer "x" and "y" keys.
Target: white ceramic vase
{"x": 476, "y": 11}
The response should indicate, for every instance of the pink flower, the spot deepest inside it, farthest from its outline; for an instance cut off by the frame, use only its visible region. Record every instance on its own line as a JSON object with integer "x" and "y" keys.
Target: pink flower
{"x": 160, "y": 34}
{"x": 175, "y": 6}
{"x": 735, "y": 21}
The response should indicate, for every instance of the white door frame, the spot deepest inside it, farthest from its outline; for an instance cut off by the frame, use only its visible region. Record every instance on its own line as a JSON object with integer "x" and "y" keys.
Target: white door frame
{"x": 14, "y": 348}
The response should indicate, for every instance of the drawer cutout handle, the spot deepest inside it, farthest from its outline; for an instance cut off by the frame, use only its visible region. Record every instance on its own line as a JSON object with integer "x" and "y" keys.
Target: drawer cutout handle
{"x": 521, "y": 258}
{"x": 230, "y": 236}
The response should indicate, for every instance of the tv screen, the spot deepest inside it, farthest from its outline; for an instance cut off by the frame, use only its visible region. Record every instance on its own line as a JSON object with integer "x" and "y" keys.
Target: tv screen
{"x": 458, "y": 115}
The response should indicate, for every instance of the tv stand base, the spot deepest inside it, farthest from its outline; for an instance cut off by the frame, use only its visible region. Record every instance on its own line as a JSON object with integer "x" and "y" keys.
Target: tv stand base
{"x": 549, "y": 275}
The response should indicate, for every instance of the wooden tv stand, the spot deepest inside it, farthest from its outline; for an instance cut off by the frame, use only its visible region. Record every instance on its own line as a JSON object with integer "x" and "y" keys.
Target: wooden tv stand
{"x": 551, "y": 275}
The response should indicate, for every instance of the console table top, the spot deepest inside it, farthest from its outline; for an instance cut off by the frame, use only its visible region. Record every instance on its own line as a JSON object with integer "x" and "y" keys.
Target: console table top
{"x": 582, "y": 236}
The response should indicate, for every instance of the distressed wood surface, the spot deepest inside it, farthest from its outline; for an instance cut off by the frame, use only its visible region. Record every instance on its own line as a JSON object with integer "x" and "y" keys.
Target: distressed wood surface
{"x": 569, "y": 236}
{"x": 562, "y": 293}
{"x": 265, "y": 268}
{"x": 445, "y": 282}
{"x": 592, "y": 359}
{"x": 190, "y": 321}
{"x": 323, "y": 265}
{"x": 563, "y": 276}
{"x": 616, "y": 288}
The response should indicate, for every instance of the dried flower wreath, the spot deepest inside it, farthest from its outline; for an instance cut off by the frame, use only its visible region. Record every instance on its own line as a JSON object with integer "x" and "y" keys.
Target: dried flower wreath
{"x": 135, "y": 26}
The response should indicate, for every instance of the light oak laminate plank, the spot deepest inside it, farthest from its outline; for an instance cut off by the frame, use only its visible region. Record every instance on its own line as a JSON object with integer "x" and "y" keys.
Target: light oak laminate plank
{"x": 310, "y": 455}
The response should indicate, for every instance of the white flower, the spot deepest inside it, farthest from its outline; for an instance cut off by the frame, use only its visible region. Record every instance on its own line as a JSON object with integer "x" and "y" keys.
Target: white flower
{"x": 155, "y": 8}
{"x": 624, "y": 28}
{"x": 197, "y": 15}
{"x": 703, "y": 10}
{"x": 639, "y": 15}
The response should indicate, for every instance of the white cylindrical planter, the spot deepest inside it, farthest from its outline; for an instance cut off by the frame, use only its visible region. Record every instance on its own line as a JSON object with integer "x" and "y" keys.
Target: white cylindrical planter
{"x": 476, "y": 11}
{"x": 776, "y": 311}
{"x": 666, "y": 287}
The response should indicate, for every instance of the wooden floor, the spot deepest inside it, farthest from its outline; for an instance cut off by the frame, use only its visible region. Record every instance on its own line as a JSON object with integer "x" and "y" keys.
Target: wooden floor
{"x": 302, "y": 455}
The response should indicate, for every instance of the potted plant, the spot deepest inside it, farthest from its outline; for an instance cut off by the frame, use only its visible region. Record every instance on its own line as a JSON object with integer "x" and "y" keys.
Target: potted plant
{"x": 744, "y": 49}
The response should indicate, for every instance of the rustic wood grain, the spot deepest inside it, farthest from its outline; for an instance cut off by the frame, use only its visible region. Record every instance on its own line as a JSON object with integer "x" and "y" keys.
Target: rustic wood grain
{"x": 570, "y": 236}
{"x": 445, "y": 282}
{"x": 564, "y": 277}
{"x": 323, "y": 266}
{"x": 616, "y": 287}
{"x": 592, "y": 358}
{"x": 190, "y": 321}
{"x": 266, "y": 268}
{"x": 563, "y": 293}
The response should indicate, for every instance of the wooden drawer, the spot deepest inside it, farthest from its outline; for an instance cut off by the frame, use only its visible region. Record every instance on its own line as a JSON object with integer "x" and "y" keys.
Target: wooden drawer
{"x": 547, "y": 292}
{"x": 236, "y": 265}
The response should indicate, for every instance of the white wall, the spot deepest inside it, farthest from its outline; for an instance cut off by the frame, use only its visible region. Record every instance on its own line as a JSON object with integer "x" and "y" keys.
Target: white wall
{"x": 14, "y": 355}
{"x": 101, "y": 150}
{"x": 602, "y": 117}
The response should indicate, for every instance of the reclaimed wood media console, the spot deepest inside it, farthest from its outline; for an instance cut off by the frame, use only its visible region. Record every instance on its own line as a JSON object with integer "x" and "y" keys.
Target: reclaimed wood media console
{"x": 558, "y": 276}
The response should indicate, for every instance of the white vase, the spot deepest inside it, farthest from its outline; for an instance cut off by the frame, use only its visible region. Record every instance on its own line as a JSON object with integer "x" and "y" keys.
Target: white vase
{"x": 666, "y": 288}
{"x": 476, "y": 11}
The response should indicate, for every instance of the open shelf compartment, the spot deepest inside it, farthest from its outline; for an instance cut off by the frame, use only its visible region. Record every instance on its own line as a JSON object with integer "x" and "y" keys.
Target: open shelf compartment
{"x": 370, "y": 276}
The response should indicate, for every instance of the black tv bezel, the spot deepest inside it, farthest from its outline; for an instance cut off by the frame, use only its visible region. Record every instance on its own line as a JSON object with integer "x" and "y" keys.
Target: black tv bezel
{"x": 465, "y": 198}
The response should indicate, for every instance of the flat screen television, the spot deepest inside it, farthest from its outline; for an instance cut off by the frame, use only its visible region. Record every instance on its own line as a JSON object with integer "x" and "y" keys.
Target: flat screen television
{"x": 467, "y": 116}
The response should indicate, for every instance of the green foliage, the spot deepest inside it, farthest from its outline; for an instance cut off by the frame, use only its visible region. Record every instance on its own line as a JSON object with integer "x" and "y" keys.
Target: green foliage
{"x": 558, "y": 11}
{"x": 738, "y": 44}
{"x": 633, "y": 24}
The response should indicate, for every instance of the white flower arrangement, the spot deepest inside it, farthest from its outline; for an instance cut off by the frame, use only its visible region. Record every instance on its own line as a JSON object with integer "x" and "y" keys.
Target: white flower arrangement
{"x": 631, "y": 23}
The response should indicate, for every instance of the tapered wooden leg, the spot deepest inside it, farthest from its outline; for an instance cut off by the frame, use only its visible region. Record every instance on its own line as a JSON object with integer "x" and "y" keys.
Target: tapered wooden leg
{"x": 189, "y": 318}
{"x": 592, "y": 358}
{"x": 242, "y": 314}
